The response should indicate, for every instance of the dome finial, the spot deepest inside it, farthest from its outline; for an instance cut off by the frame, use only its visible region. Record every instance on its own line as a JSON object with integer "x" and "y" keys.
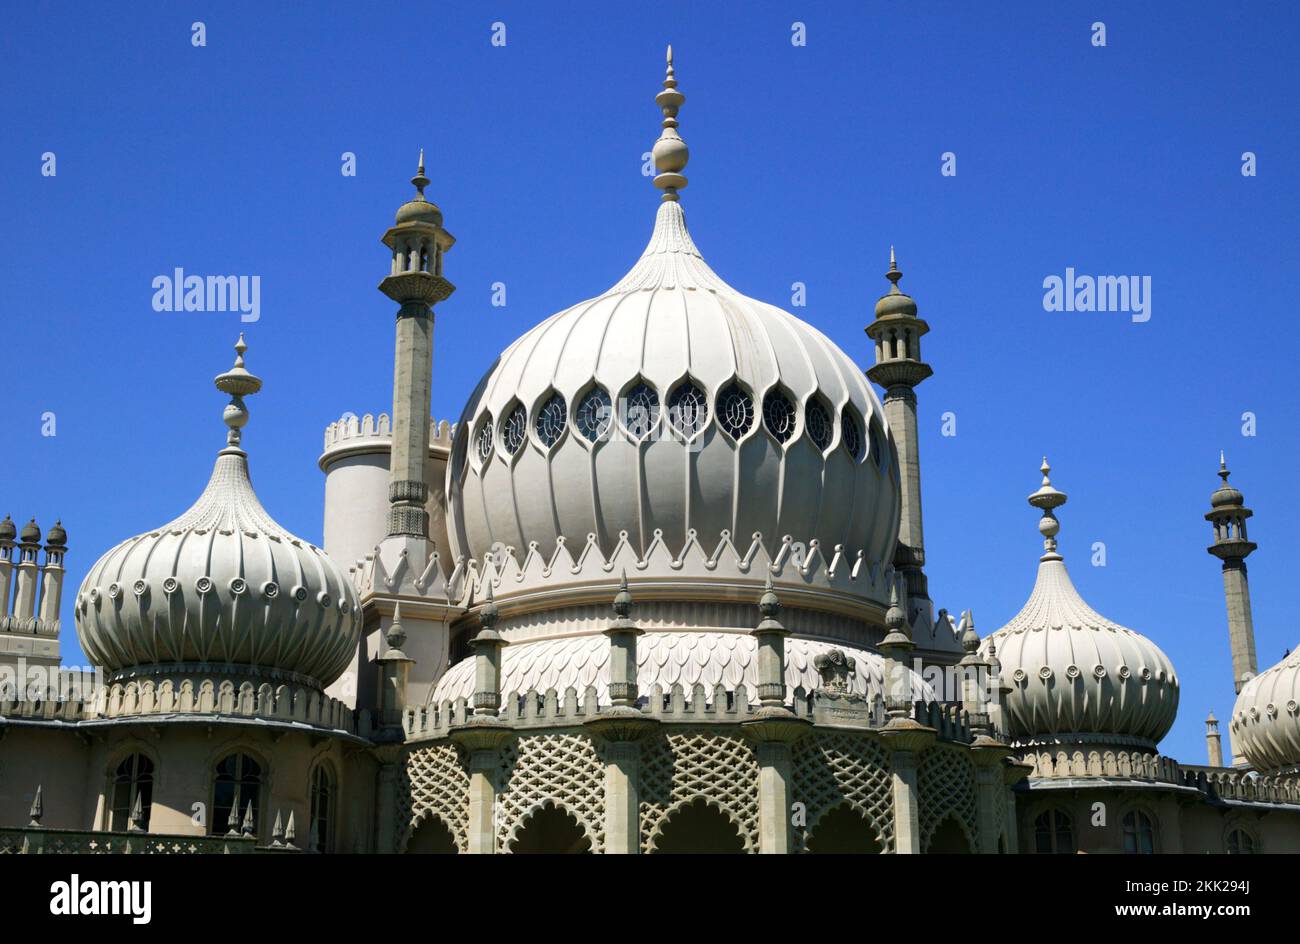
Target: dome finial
{"x": 239, "y": 383}
{"x": 893, "y": 274}
{"x": 1223, "y": 467}
{"x": 419, "y": 180}
{"x": 670, "y": 152}
{"x": 1048, "y": 499}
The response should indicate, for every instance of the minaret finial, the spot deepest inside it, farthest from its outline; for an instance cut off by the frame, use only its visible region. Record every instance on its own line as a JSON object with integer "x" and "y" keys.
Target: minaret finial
{"x": 239, "y": 383}
{"x": 893, "y": 274}
{"x": 670, "y": 152}
{"x": 1223, "y": 467}
{"x": 419, "y": 181}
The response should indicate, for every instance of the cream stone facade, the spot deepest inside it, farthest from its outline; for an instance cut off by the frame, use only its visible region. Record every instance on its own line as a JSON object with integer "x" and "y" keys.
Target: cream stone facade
{"x": 661, "y": 588}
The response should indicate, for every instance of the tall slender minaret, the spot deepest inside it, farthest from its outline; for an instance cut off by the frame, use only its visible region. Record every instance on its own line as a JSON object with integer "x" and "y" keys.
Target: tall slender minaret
{"x": 898, "y": 369}
{"x": 418, "y": 242}
{"x": 1228, "y": 514}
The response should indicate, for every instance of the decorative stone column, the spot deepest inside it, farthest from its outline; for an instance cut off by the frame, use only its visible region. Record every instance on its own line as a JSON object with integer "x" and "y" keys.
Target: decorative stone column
{"x": 773, "y": 729}
{"x": 484, "y": 734}
{"x": 623, "y": 726}
{"x": 990, "y": 757}
{"x": 905, "y": 736}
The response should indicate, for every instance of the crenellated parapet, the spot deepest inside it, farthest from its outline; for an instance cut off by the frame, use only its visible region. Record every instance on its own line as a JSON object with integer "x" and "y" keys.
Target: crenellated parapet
{"x": 354, "y": 435}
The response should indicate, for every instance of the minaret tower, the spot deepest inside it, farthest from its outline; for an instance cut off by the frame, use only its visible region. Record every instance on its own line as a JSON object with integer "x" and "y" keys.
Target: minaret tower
{"x": 898, "y": 369}
{"x": 1228, "y": 514}
{"x": 418, "y": 242}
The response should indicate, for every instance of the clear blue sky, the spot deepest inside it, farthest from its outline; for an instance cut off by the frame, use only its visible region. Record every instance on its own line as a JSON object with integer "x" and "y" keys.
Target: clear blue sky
{"x": 806, "y": 164}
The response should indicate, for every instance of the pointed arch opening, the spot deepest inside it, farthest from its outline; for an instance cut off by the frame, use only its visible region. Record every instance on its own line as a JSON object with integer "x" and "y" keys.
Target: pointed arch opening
{"x": 844, "y": 830}
{"x": 699, "y": 828}
{"x": 432, "y": 837}
{"x": 551, "y": 830}
{"x": 949, "y": 838}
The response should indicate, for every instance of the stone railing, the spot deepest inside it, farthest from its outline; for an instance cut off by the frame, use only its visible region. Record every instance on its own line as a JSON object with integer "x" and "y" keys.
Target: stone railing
{"x": 1224, "y": 783}
{"x": 1059, "y": 762}
{"x": 47, "y": 841}
{"x": 215, "y": 696}
{"x": 533, "y": 709}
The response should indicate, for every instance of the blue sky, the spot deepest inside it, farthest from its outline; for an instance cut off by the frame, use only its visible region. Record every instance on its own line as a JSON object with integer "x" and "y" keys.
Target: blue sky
{"x": 806, "y": 164}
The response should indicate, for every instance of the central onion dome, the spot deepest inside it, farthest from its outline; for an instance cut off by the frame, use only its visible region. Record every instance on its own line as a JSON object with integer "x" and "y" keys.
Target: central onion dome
{"x": 222, "y": 586}
{"x": 1074, "y": 675}
{"x": 673, "y": 406}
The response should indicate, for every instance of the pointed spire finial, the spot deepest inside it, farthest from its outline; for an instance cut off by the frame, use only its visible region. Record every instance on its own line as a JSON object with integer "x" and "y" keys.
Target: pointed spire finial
{"x": 670, "y": 152}
{"x": 419, "y": 181}
{"x": 38, "y": 808}
{"x": 894, "y": 274}
{"x": 1223, "y": 467}
{"x": 622, "y": 605}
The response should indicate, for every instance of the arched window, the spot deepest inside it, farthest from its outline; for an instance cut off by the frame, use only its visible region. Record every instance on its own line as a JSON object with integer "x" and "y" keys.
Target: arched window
{"x": 688, "y": 409}
{"x": 1240, "y": 842}
{"x": 551, "y": 420}
{"x": 1053, "y": 833}
{"x": 1139, "y": 834}
{"x": 735, "y": 411}
{"x": 514, "y": 430}
{"x": 779, "y": 415}
{"x": 640, "y": 411}
{"x": 132, "y": 780}
{"x": 818, "y": 423}
{"x": 236, "y": 786}
{"x": 323, "y": 798}
{"x": 851, "y": 434}
{"x": 595, "y": 414}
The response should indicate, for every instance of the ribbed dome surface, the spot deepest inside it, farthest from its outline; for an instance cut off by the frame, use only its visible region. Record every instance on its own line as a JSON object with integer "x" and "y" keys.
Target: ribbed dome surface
{"x": 224, "y": 584}
{"x": 1072, "y": 671}
{"x": 721, "y": 413}
{"x": 1266, "y": 718}
{"x": 667, "y": 659}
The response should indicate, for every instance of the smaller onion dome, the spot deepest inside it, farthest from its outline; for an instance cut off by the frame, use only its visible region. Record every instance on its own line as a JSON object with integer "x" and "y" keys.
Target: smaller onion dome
{"x": 31, "y": 533}
{"x": 57, "y": 536}
{"x": 418, "y": 209}
{"x": 1072, "y": 674}
{"x": 223, "y": 585}
{"x": 8, "y": 530}
{"x": 895, "y": 301}
{"x": 1225, "y": 494}
{"x": 1266, "y": 718}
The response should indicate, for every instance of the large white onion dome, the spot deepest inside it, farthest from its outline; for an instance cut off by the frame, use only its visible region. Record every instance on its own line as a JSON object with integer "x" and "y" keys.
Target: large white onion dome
{"x": 1074, "y": 675}
{"x": 672, "y": 404}
{"x": 1266, "y": 718}
{"x": 221, "y": 586}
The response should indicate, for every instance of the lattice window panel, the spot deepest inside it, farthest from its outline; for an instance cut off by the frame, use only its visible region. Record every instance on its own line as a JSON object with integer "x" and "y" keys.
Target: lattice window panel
{"x": 681, "y": 766}
{"x": 434, "y": 782}
{"x": 945, "y": 779}
{"x": 837, "y": 767}
{"x": 563, "y": 769}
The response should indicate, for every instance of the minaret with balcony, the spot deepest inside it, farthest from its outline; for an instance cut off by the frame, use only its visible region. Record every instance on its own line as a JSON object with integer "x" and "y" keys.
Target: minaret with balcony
{"x": 897, "y": 333}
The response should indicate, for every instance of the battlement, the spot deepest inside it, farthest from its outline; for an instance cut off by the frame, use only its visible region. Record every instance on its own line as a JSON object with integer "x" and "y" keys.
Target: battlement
{"x": 351, "y": 434}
